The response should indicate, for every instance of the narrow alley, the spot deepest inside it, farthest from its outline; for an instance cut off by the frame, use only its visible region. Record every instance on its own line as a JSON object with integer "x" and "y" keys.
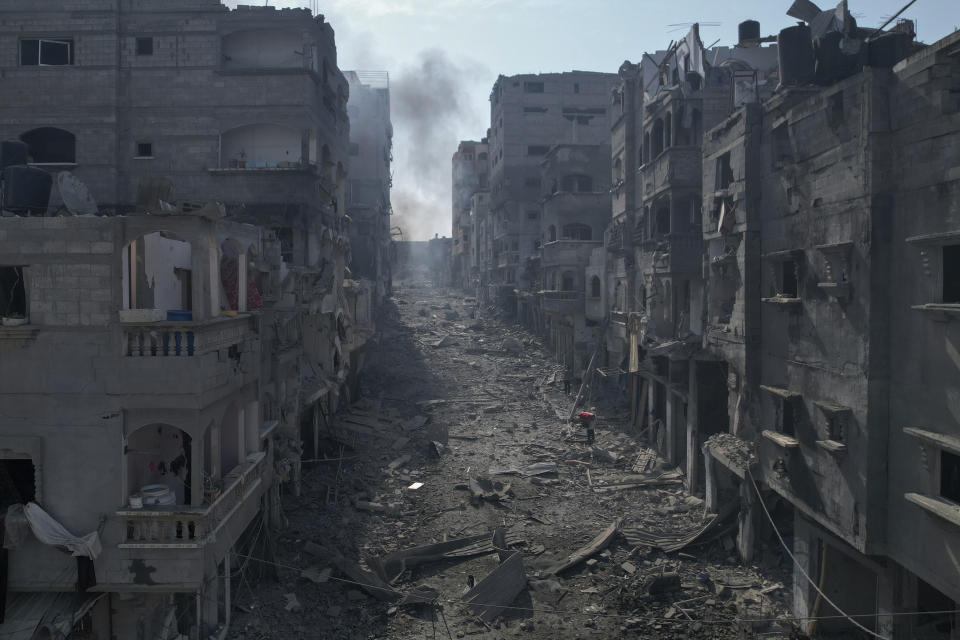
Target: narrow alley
{"x": 462, "y": 428}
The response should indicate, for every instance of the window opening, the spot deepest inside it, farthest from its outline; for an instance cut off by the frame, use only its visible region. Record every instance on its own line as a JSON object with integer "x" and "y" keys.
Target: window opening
{"x": 788, "y": 279}
{"x": 835, "y": 428}
{"x": 577, "y": 231}
{"x": 49, "y": 145}
{"x": 537, "y": 150}
{"x": 724, "y": 172}
{"x": 950, "y": 476}
{"x": 13, "y": 293}
{"x": 787, "y": 418}
{"x": 567, "y": 281}
{"x": 144, "y": 46}
{"x": 144, "y": 149}
{"x": 533, "y": 87}
{"x": 46, "y": 53}
{"x": 595, "y": 287}
{"x": 576, "y": 87}
{"x": 17, "y": 482}
{"x": 533, "y": 214}
{"x": 951, "y": 274}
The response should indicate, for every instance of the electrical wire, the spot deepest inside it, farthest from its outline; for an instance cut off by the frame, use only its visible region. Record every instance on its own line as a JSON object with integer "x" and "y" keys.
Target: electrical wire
{"x": 620, "y": 616}
{"x": 800, "y": 567}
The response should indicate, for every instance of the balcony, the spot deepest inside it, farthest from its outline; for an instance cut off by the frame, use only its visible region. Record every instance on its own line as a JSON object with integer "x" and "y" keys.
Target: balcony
{"x": 569, "y": 253}
{"x": 184, "y": 339}
{"x": 562, "y": 302}
{"x": 184, "y": 527}
{"x": 674, "y": 167}
{"x": 681, "y": 251}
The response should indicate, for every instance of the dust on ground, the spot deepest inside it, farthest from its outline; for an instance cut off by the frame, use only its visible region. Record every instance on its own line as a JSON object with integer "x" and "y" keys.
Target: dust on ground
{"x": 490, "y": 395}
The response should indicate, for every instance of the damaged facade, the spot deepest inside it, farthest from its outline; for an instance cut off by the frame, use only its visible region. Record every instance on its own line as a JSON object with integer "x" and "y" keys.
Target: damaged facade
{"x": 199, "y": 329}
{"x": 775, "y": 294}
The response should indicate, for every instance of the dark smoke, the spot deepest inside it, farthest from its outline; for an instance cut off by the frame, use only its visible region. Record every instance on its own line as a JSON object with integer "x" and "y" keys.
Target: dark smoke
{"x": 431, "y": 107}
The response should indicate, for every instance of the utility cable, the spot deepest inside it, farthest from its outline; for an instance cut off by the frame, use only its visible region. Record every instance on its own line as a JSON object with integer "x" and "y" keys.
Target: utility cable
{"x": 619, "y": 616}
{"x": 800, "y": 567}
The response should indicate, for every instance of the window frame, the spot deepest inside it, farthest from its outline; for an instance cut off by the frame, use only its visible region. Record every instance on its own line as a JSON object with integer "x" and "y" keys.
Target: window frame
{"x": 138, "y": 149}
{"x": 71, "y": 51}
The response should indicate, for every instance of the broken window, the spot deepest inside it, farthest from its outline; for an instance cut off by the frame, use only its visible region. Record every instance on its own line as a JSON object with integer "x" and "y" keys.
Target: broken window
{"x": 144, "y": 149}
{"x": 46, "y": 53}
{"x": 724, "y": 172}
{"x": 49, "y": 145}
{"x": 951, "y": 274}
{"x": 144, "y": 46}
{"x": 595, "y": 287}
{"x": 950, "y": 476}
{"x": 577, "y": 231}
{"x": 533, "y": 87}
{"x": 657, "y": 138}
{"x": 18, "y": 482}
{"x": 787, "y": 287}
{"x": 537, "y": 149}
{"x": 13, "y": 292}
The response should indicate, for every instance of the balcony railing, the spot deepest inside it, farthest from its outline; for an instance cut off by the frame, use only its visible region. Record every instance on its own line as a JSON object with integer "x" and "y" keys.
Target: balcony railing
{"x": 183, "y": 339}
{"x": 185, "y": 526}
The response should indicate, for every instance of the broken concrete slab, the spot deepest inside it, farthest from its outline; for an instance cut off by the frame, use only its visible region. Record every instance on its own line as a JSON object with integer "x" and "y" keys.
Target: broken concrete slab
{"x": 399, "y": 462}
{"x": 492, "y": 595}
{"x": 293, "y": 605}
{"x": 535, "y": 469}
{"x": 367, "y": 581}
{"x": 315, "y": 575}
{"x": 486, "y": 489}
{"x": 668, "y": 582}
{"x": 391, "y": 566}
{"x": 596, "y": 545}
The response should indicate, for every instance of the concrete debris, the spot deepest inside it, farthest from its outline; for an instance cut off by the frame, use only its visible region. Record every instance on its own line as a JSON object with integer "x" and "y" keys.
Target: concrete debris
{"x": 492, "y": 595}
{"x": 293, "y": 605}
{"x": 316, "y": 576}
{"x": 512, "y": 345}
{"x": 369, "y": 582}
{"x": 415, "y": 486}
{"x": 399, "y": 462}
{"x": 596, "y": 545}
{"x": 535, "y": 469}
{"x": 664, "y": 583}
{"x": 485, "y": 489}
{"x": 438, "y": 449}
{"x": 391, "y": 566}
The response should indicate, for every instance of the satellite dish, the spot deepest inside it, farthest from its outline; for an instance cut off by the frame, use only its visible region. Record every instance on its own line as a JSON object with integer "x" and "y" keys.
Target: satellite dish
{"x": 75, "y": 195}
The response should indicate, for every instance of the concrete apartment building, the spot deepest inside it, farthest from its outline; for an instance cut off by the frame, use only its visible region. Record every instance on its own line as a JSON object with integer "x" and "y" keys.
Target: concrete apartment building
{"x": 575, "y": 211}
{"x": 368, "y": 203}
{"x": 198, "y": 346}
{"x": 829, "y": 240}
{"x": 778, "y": 279}
{"x": 529, "y": 114}
{"x": 471, "y": 174}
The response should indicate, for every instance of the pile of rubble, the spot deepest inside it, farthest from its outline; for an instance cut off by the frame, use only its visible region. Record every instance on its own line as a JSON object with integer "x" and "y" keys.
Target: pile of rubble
{"x": 457, "y": 496}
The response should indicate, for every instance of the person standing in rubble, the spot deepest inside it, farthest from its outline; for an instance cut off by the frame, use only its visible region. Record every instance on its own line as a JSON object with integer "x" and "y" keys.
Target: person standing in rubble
{"x": 587, "y": 418}
{"x": 567, "y": 379}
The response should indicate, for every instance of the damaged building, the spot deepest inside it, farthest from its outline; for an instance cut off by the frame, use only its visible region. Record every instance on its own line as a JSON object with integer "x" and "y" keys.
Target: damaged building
{"x": 529, "y": 114}
{"x": 774, "y": 291}
{"x": 175, "y": 245}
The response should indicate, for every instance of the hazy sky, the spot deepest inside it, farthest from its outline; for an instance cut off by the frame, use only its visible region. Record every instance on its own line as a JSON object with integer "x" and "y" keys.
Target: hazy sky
{"x": 444, "y": 55}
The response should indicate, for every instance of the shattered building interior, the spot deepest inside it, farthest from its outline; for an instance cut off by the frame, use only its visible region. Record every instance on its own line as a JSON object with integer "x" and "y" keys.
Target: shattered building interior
{"x": 686, "y": 366}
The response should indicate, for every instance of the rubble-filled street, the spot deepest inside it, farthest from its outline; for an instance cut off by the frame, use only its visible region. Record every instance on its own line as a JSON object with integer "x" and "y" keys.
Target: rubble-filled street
{"x": 458, "y": 463}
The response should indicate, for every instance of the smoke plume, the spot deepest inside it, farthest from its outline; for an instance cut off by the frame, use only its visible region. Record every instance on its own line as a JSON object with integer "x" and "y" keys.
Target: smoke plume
{"x": 431, "y": 106}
